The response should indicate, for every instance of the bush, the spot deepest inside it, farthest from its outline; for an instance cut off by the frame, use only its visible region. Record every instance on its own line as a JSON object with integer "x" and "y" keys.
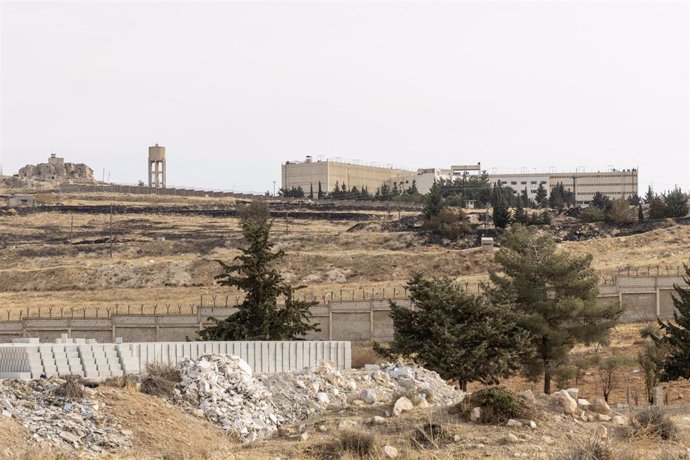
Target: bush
{"x": 157, "y": 386}
{"x": 655, "y": 423}
{"x": 164, "y": 371}
{"x": 621, "y": 212}
{"x": 160, "y": 380}
{"x": 591, "y": 450}
{"x": 71, "y": 389}
{"x": 359, "y": 444}
{"x": 592, "y": 214}
{"x": 364, "y": 354}
{"x": 430, "y": 435}
{"x": 498, "y": 404}
{"x": 127, "y": 381}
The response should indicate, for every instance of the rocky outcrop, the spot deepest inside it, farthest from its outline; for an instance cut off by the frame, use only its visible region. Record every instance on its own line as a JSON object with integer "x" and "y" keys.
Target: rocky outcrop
{"x": 57, "y": 172}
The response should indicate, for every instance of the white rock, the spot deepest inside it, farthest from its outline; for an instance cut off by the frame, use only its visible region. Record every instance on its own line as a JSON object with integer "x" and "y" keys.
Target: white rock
{"x": 603, "y": 418}
{"x": 322, "y": 397}
{"x": 583, "y": 403}
{"x": 475, "y": 414}
{"x": 573, "y": 392}
{"x": 566, "y": 401}
{"x": 368, "y": 396}
{"x": 390, "y": 451}
{"x": 600, "y": 406}
{"x": 322, "y": 428}
{"x": 347, "y": 425}
{"x": 512, "y": 439}
{"x": 528, "y": 395}
{"x": 513, "y": 423}
{"x": 304, "y": 436}
{"x": 621, "y": 420}
{"x": 532, "y": 424}
{"x": 403, "y": 404}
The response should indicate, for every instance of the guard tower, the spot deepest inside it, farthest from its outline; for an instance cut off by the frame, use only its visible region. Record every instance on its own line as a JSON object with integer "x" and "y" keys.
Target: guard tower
{"x": 157, "y": 166}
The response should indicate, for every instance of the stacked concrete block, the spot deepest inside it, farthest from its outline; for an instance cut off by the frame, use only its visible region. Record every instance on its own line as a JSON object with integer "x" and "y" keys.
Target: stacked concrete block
{"x": 35, "y": 364}
{"x": 14, "y": 363}
{"x": 48, "y": 360}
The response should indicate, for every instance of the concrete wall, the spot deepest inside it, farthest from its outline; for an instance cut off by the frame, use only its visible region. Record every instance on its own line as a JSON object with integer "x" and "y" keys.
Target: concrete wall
{"x": 644, "y": 299}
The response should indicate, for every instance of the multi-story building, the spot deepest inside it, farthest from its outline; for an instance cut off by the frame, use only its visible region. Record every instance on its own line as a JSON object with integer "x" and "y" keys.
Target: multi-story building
{"x": 309, "y": 173}
{"x": 613, "y": 184}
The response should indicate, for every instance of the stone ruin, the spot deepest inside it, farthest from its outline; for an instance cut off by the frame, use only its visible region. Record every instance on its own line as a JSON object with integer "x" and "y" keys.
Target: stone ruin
{"x": 56, "y": 170}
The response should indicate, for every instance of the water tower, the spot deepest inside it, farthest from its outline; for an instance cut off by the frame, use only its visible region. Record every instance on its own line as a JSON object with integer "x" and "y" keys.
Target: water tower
{"x": 157, "y": 166}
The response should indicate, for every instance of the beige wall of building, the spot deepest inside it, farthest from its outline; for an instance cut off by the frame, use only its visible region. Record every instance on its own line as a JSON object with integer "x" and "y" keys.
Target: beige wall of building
{"x": 310, "y": 173}
{"x": 613, "y": 184}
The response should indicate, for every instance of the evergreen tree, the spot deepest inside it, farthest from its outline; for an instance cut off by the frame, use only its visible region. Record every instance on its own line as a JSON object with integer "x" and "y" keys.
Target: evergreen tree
{"x": 556, "y": 200}
{"x": 311, "y": 192}
{"x": 413, "y": 188}
{"x": 676, "y": 203}
{"x": 260, "y": 316}
{"x": 640, "y": 214}
{"x": 634, "y": 199}
{"x": 521, "y": 216}
{"x": 501, "y": 212}
{"x": 433, "y": 202}
{"x": 540, "y": 197}
{"x": 343, "y": 188}
{"x": 658, "y": 208}
{"x": 555, "y": 296}
{"x": 456, "y": 334}
{"x": 320, "y": 192}
{"x": 599, "y": 200}
{"x": 649, "y": 196}
{"x": 677, "y": 334}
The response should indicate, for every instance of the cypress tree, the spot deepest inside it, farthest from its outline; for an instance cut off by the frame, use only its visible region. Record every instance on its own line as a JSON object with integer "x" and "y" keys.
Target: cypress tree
{"x": 433, "y": 202}
{"x": 260, "y": 316}
{"x": 541, "y": 196}
{"x": 311, "y": 191}
{"x": 320, "y": 192}
{"x": 677, "y": 333}
{"x": 640, "y": 214}
{"x": 501, "y": 211}
{"x": 521, "y": 216}
{"x": 459, "y": 335}
{"x": 555, "y": 295}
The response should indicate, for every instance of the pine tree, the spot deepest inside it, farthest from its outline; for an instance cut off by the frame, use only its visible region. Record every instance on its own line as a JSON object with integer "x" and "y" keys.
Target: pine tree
{"x": 556, "y": 200}
{"x": 501, "y": 211}
{"x": 540, "y": 197}
{"x": 433, "y": 202}
{"x": 413, "y": 188}
{"x": 456, "y": 334}
{"x": 676, "y": 203}
{"x": 649, "y": 196}
{"x": 640, "y": 214}
{"x": 599, "y": 200}
{"x": 320, "y": 192}
{"x": 658, "y": 208}
{"x": 677, "y": 333}
{"x": 521, "y": 216}
{"x": 555, "y": 295}
{"x": 311, "y": 192}
{"x": 260, "y": 316}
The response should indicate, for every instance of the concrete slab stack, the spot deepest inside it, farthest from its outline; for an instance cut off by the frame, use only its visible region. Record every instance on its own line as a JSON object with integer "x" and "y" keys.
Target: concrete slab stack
{"x": 29, "y": 359}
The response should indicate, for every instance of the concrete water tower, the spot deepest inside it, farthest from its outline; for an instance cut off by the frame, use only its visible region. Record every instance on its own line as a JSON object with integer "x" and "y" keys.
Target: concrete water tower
{"x": 157, "y": 166}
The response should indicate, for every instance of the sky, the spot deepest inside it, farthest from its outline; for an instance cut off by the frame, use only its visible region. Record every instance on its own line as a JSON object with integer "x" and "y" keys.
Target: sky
{"x": 234, "y": 89}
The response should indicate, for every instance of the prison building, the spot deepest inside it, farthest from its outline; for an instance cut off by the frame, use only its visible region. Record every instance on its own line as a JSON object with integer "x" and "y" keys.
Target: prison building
{"x": 613, "y": 184}
{"x": 310, "y": 173}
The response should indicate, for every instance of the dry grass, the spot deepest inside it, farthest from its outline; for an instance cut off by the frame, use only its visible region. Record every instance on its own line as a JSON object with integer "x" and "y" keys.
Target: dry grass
{"x": 72, "y": 389}
{"x": 364, "y": 354}
{"x": 358, "y": 444}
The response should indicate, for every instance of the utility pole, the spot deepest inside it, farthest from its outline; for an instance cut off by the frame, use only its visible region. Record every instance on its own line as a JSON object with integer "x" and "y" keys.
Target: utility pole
{"x": 274, "y": 188}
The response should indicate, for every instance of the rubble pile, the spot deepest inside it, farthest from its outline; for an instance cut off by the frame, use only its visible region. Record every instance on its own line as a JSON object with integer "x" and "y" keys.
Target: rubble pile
{"x": 65, "y": 423}
{"x": 222, "y": 389}
{"x": 57, "y": 172}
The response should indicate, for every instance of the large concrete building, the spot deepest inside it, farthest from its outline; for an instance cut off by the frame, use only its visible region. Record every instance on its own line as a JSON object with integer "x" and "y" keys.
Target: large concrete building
{"x": 613, "y": 184}
{"x": 310, "y": 173}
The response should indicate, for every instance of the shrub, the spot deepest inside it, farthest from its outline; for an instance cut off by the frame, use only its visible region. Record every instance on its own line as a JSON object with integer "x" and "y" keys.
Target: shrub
{"x": 164, "y": 371}
{"x": 127, "y": 381}
{"x": 71, "y": 389}
{"x": 157, "y": 386}
{"x": 359, "y": 444}
{"x": 592, "y": 214}
{"x": 590, "y": 450}
{"x": 655, "y": 423}
{"x": 621, "y": 212}
{"x": 498, "y": 404}
{"x": 430, "y": 435}
{"x": 364, "y": 354}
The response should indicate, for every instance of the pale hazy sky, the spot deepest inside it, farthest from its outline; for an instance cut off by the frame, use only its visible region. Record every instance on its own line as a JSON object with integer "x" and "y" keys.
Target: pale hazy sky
{"x": 233, "y": 89}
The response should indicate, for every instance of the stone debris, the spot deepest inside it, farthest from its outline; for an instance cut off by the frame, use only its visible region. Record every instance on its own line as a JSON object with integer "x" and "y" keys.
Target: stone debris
{"x": 390, "y": 451}
{"x": 78, "y": 424}
{"x": 255, "y": 406}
